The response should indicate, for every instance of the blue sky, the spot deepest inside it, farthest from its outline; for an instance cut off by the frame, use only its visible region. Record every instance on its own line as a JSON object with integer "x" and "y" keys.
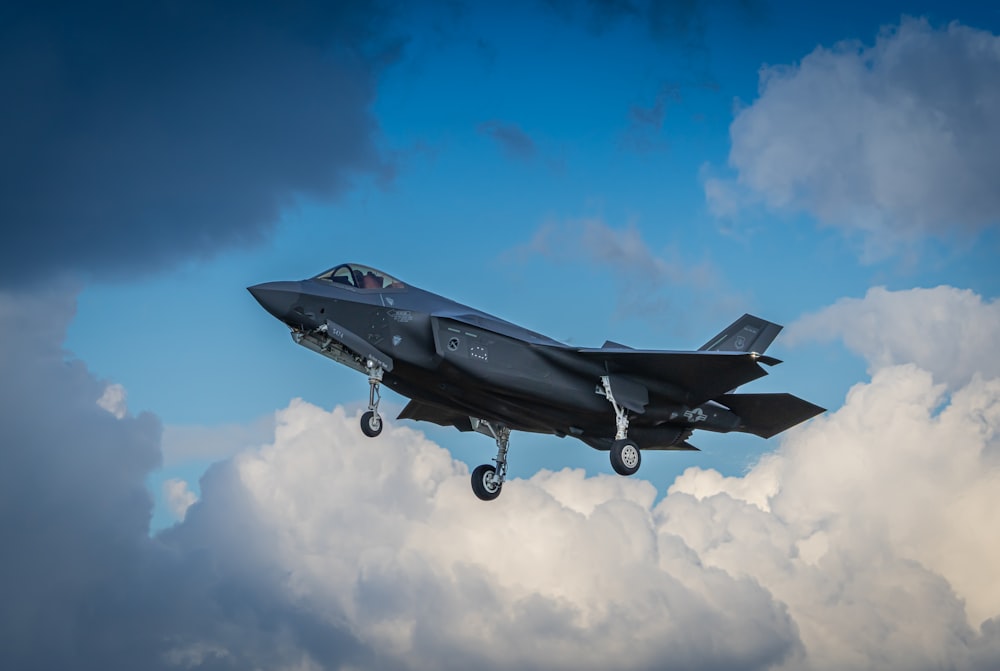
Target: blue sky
{"x": 641, "y": 172}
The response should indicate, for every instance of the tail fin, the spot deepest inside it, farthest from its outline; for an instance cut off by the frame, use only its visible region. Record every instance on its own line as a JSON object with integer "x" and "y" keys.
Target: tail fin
{"x": 746, "y": 334}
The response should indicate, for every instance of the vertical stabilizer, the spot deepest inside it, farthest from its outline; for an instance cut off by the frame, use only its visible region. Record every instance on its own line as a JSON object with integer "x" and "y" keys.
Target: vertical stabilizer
{"x": 746, "y": 334}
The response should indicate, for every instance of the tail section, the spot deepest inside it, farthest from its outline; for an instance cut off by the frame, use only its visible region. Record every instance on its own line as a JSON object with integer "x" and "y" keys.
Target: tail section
{"x": 746, "y": 334}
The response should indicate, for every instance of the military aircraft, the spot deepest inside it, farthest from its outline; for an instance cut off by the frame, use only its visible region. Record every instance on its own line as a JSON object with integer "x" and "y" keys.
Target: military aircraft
{"x": 465, "y": 368}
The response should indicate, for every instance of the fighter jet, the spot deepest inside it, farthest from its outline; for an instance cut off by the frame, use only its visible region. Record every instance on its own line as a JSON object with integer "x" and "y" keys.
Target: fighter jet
{"x": 465, "y": 368}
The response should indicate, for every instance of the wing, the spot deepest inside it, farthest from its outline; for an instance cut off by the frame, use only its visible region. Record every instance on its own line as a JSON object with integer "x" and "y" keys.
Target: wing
{"x": 428, "y": 412}
{"x": 691, "y": 377}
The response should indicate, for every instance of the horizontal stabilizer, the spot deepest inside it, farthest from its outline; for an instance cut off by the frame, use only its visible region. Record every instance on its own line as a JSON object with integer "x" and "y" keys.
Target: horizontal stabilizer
{"x": 699, "y": 375}
{"x": 611, "y": 344}
{"x": 766, "y": 415}
{"x": 746, "y": 334}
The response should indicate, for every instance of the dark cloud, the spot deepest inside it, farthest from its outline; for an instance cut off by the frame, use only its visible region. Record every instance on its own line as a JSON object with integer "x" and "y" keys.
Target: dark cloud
{"x": 83, "y": 584}
{"x": 644, "y": 133}
{"x": 664, "y": 19}
{"x": 74, "y": 512}
{"x": 674, "y": 21}
{"x": 136, "y": 133}
{"x": 511, "y": 138}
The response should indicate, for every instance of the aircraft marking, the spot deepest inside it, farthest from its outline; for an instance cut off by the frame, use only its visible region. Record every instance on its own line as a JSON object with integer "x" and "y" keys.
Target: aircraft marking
{"x": 696, "y": 415}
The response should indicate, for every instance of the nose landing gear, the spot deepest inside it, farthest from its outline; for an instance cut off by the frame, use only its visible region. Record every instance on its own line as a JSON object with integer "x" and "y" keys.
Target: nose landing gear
{"x": 371, "y": 421}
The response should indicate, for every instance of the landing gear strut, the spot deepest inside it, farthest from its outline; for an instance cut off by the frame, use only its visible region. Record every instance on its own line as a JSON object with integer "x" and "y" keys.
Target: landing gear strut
{"x": 488, "y": 479}
{"x": 625, "y": 455}
{"x": 371, "y": 421}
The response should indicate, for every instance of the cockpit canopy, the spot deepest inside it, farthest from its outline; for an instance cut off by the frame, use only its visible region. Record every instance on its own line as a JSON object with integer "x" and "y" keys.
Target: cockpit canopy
{"x": 360, "y": 277}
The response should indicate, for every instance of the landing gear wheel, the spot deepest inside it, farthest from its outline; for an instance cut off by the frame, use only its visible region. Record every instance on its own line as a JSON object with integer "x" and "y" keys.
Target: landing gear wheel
{"x": 371, "y": 424}
{"x": 625, "y": 457}
{"x": 483, "y": 483}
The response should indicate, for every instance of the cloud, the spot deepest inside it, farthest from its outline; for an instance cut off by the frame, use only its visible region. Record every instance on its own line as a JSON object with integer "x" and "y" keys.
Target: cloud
{"x": 432, "y": 578}
{"x": 74, "y": 510}
{"x": 646, "y": 123}
{"x": 650, "y": 283}
{"x": 511, "y": 138}
{"x": 212, "y": 443}
{"x": 83, "y": 584}
{"x": 890, "y": 142}
{"x": 664, "y": 21}
{"x": 870, "y": 524}
{"x": 114, "y": 400}
{"x": 946, "y": 331}
{"x": 864, "y": 541}
{"x": 179, "y": 497}
{"x": 137, "y": 136}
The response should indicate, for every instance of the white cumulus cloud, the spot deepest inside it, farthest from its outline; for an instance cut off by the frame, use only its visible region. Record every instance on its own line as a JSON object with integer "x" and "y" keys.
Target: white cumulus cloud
{"x": 179, "y": 497}
{"x": 952, "y": 333}
{"x": 114, "y": 400}
{"x": 893, "y": 141}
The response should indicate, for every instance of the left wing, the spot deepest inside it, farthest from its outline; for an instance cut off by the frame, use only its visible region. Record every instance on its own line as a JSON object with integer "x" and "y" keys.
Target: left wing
{"x": 428, "y": 412}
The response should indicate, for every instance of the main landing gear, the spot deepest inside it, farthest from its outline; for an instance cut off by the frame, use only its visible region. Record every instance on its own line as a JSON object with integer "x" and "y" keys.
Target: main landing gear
{"x": 371, "y": 421}
{"x": 625, "y": 455}
{"x": 488, "y": 479}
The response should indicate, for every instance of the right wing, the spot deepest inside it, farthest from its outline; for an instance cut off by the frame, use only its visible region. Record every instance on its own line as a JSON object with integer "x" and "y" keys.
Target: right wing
{"x": 691, "y": 377}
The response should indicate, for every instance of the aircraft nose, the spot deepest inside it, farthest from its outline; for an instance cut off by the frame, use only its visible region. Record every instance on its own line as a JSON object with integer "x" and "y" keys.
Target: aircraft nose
{"x": 276, "y": 297}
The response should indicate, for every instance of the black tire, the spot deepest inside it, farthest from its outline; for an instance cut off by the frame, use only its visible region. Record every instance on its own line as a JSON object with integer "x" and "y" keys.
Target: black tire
{"x": 625, "y": 457}
{"x": 482, "y": 482}
{"x": 371, "y": 424}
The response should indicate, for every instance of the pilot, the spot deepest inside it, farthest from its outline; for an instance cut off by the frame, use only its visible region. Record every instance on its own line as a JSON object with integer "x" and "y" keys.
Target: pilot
{"x": 371, "y": 281}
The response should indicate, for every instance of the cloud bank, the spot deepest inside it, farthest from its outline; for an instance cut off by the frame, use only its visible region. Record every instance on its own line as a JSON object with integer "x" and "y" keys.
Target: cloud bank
{"x": 865, "y": 541}
{"x": 890, "y": 142}
{"x": 947, "y": 331}
{"x": 139, "y": 134}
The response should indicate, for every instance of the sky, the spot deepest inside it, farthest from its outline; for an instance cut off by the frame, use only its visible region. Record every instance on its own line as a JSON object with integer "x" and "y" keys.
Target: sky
{"x": 182, "y": 487}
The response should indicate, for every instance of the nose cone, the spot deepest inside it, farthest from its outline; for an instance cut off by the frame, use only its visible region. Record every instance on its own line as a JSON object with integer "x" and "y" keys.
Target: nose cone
{"x": 276, "y": 297}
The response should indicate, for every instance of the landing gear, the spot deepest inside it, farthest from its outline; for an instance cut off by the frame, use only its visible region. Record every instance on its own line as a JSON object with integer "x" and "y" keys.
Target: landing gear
{"x": 487, "y": 479}
{"x": 625, "y": 455}
{"x": 371, "y": 421}
{"x": 484, "y": 482}
{"x": 371, "y": 424}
